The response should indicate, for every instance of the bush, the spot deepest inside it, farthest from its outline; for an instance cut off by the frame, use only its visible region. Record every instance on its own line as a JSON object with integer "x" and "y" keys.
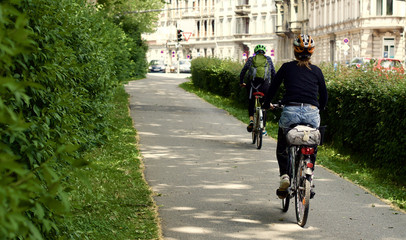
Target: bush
{"x": 60, "y": 62}
{"x": 366, "y": 112}
{"x": 219, "y": 76}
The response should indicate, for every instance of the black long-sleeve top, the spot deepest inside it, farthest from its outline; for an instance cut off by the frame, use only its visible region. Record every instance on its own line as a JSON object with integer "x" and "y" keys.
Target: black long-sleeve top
{"x": 302, "y": 85}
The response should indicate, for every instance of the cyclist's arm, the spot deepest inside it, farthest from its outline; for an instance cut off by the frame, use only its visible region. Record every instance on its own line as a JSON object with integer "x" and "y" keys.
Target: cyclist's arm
{"x": 323, "y": 96}
{"x": 271, "y": 68}
{"x": 245, "y": 69}
{"x": 273, "y": 89}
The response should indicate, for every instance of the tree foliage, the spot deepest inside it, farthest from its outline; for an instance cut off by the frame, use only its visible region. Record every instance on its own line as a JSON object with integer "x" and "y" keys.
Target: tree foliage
{"x": 59, "y": 63}
{"x": 134, "y": 17}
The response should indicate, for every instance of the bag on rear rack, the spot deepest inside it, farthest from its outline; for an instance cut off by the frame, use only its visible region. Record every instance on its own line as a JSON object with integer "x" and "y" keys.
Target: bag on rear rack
{"x": 303, "y": 135}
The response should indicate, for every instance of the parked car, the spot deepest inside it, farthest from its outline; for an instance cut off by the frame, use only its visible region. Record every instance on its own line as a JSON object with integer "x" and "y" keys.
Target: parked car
{"x": 157, "y": 66}
{"x": 389, "y": 64}
{"x": 184, "y": 66}
{"x": 360, "y": 62}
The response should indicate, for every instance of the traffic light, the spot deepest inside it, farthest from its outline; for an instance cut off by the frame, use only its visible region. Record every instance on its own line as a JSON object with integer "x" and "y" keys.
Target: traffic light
{"x": 180, "y": 35}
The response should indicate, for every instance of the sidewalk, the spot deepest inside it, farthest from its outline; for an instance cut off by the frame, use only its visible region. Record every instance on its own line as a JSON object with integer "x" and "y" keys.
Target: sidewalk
{"x": 212, "y": 183}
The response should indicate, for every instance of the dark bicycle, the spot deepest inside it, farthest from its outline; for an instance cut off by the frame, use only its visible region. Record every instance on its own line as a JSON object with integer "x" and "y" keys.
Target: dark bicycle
{"x": 302, "y": 144}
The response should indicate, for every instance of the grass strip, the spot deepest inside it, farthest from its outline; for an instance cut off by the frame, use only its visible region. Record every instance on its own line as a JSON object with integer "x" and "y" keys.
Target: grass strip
{"x": 110, "y": 198}
{"x": 375, "y": 181}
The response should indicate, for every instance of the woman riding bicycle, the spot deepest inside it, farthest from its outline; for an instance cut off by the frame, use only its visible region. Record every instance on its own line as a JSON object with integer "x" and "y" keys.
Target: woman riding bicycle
{"x": 305, "y": 94}
{"x": 261, "y": 72}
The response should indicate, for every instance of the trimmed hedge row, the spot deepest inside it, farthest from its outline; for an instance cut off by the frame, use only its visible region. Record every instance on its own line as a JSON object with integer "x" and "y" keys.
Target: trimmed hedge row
{"x": 59, "y": 63}
{"x": 366, "y": 112}
{"x": 218, "y": 76}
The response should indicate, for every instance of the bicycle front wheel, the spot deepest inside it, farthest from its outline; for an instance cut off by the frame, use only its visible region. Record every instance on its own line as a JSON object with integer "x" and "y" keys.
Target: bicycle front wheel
{"x": 302, "y": 197}
{"x": 285, "y": 203}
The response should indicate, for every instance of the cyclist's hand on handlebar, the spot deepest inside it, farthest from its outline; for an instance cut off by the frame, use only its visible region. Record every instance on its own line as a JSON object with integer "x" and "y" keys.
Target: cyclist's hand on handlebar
{"x": 276, "y": 106}
{"x": 266, "y": 106}
{"x": 243, "y": 84}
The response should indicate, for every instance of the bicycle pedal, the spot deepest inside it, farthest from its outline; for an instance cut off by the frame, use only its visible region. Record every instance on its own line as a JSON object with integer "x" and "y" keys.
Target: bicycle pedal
{"x": 312, "y": 194}
{"x": 282, "y": 194}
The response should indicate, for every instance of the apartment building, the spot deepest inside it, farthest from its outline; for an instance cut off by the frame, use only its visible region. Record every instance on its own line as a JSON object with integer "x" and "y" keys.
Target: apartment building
{"x": 344, "y": 29}
{"x": 214, "y": 28}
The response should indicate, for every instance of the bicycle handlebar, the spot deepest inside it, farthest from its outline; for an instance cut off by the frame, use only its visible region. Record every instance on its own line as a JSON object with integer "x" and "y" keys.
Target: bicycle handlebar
{"x": 277, "y": 105}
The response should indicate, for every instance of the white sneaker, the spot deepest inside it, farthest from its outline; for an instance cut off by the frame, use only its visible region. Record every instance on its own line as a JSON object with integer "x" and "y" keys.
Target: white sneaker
{"x": 285, "y": 182}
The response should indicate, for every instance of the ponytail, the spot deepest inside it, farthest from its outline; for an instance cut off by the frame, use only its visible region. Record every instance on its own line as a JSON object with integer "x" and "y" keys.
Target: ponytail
{"x": 304, "y": 63}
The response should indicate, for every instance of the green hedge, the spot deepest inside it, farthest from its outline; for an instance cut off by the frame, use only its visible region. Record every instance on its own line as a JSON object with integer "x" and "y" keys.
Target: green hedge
{"x": 59, "y": 62}
{"x": 366, "y": 112}
{"x": 220, "y": 77}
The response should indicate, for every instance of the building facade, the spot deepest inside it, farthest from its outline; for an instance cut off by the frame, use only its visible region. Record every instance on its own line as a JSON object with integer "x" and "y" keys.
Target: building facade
{"x": 214, "y": 28}
{"x": 342, "y": 29}
{"x": 292, "y": 19}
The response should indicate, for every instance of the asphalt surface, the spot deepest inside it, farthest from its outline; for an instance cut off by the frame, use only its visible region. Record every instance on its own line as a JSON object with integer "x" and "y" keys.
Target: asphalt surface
{"x": 212, "y": 183}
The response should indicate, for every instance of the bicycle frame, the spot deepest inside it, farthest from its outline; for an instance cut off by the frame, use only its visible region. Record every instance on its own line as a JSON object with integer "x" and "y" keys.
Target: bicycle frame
{"x": 259, "y": 113}
{"x": 296, "y": 156}
{"x": 258, "y": 121}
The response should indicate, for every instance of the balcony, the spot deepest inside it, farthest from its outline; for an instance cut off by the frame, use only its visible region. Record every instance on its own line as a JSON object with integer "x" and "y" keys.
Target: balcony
{"x": 242, "y": 9}
{"x": 282, "y": 30}
{"x": 295, "y": 27}
{"x": 383, "y": 22}
{"x": 241, "y": 36}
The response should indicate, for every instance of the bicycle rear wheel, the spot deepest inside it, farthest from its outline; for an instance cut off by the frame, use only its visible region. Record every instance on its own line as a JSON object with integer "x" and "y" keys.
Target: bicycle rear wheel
{"x": 302, "y": 196}
{"x": 254, "y": 128}
{"x": 258, "y": 128}
{"x": 259, "y": 138}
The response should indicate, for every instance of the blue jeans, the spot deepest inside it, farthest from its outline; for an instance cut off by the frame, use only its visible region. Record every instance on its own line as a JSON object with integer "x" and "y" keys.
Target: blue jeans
{"x": 294, "y": 115}
{"x": 299, "y": 115}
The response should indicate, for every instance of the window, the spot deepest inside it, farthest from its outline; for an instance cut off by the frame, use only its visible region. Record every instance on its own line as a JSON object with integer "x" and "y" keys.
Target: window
{"x": 388, "y": 47}
{"x": 220, "y": 31}
{"x": 379, "y": 7}
{"x": 229, "y": 30}
{"x": 389, "y": 7}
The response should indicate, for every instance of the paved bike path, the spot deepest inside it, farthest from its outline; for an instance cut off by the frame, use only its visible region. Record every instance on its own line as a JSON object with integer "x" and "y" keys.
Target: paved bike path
{"x": 212, "y": 183}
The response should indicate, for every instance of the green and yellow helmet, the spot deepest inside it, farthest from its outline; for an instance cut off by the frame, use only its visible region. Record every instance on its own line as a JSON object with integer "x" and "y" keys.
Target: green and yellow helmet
{"x": 260, "y": 49}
